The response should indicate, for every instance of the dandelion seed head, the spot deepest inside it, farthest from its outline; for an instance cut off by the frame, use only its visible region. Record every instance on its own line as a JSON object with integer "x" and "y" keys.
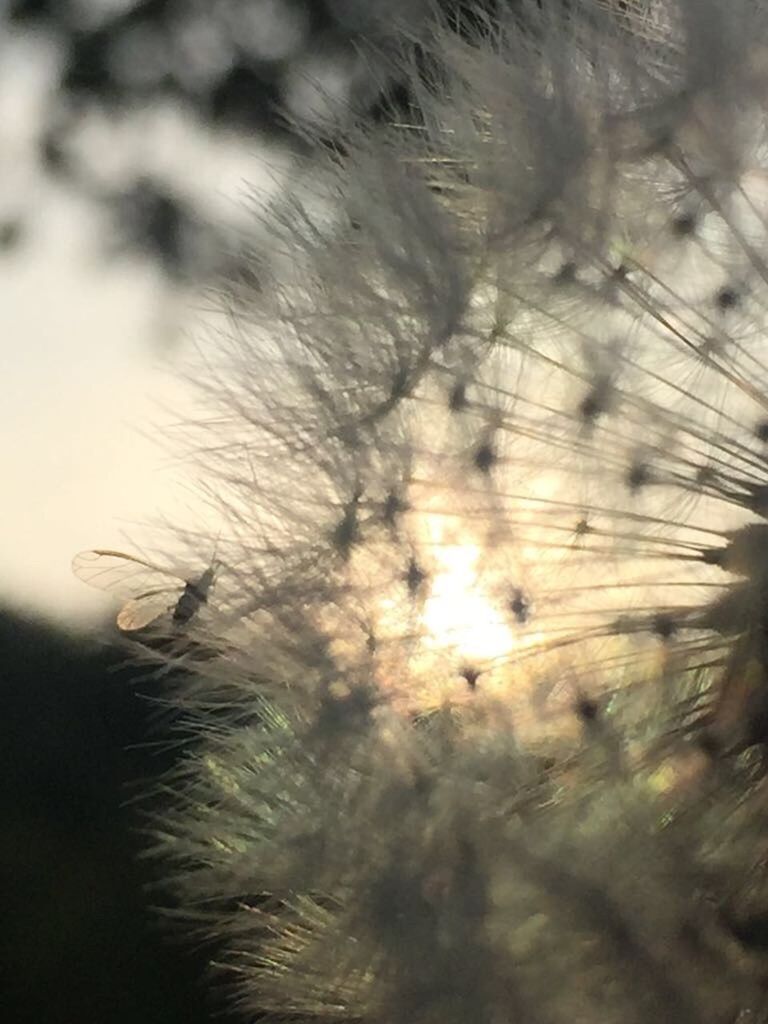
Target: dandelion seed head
{"x": 490, "y": 446}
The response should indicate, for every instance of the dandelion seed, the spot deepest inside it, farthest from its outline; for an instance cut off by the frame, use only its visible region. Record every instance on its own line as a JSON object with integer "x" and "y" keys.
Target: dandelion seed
{"x": 520, "y": 606}
{"x": 485, "y": 457}
{"x": 470, "y": 675}
{"x": 414, "y": 577}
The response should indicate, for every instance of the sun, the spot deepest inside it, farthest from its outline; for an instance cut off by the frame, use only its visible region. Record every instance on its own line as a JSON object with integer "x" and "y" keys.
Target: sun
{"x": 457, "y": 614}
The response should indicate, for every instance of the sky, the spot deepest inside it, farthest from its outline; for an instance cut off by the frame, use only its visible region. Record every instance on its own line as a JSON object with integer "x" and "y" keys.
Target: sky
{"x": 90, "y": 347}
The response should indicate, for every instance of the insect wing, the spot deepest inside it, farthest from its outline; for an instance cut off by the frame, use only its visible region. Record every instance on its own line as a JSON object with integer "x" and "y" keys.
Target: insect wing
{"x": 142, "y": 611}
{"x": 125, "y": 574}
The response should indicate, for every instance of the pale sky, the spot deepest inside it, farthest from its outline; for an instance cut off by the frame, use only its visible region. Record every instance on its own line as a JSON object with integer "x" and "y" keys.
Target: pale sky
{"x": 81, "y": 382}
{"x": 87, "y": 346}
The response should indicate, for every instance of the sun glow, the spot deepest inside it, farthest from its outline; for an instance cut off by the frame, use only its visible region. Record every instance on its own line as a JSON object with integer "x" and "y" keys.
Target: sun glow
{"x": 457, "y": 614}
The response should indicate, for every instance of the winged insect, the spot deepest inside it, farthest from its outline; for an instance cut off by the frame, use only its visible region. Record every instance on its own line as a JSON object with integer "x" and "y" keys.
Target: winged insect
{"x": 150, "y": 591}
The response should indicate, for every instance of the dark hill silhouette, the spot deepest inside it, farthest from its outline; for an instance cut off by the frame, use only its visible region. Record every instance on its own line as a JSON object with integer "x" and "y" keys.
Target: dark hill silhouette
{"x": 80, "y": 942}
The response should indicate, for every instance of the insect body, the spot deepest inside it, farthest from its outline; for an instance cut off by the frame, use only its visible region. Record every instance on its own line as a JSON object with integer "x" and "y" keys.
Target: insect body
{"x": 151, "y": 591}
{"x": 194, "y": 594}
